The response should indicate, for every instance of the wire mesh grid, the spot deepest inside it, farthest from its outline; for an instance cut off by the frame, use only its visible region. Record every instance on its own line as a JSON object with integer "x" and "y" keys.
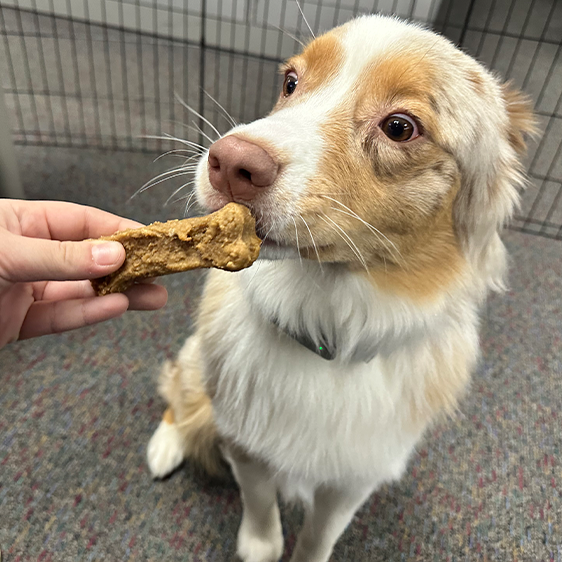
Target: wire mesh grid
{"x": 110, "y": 73}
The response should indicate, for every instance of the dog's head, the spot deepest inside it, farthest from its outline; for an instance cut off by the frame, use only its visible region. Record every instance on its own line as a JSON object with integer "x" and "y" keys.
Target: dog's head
{"x": 388, "y": 149}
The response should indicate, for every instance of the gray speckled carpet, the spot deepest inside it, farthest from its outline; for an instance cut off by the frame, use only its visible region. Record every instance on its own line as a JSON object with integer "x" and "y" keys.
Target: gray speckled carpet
{"x": 77, "y": 410}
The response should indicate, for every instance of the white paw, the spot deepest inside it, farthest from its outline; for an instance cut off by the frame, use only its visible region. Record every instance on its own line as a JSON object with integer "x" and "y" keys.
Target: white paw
{"x": 267, "y": 547}
{"x": 165, "y": 450}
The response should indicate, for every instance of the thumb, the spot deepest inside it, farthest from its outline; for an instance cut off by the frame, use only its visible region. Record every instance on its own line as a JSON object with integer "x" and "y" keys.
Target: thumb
{"x": 35, "y": 259}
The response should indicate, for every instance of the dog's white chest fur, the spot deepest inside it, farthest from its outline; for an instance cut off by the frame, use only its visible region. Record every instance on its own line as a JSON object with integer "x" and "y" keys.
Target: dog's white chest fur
{"x": 312, "y": 420}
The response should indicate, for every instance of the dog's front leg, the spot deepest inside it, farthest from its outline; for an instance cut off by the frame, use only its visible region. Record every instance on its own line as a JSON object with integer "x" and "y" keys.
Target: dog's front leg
{"x": 325, "y": 520}
{"x": 260, "y": 537}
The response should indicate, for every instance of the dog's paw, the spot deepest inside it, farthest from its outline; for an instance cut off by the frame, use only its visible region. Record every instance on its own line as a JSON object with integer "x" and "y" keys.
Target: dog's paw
{"x": 165, "y": 450}
{"x": 260, "y": 548}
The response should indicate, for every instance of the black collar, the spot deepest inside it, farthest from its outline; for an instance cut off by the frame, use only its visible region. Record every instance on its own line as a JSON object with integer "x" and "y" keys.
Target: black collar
{"x": 327, "y": 350}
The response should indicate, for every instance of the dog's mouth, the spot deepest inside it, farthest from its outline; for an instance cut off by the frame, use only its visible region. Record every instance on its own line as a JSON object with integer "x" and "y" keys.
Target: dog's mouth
{"x": 269, "y": 221}
{"x": 272, "y": 247}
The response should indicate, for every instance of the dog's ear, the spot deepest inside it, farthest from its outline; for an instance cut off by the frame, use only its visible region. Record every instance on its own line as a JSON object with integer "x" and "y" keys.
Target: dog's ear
{"x": 492, "y": 172}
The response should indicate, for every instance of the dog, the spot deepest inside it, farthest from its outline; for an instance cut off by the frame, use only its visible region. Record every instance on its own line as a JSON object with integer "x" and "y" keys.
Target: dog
{"x": 380, "y": 183}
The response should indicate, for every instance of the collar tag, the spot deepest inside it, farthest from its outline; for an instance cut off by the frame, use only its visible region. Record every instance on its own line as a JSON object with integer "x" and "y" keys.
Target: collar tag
{"x": 322, "y": 349}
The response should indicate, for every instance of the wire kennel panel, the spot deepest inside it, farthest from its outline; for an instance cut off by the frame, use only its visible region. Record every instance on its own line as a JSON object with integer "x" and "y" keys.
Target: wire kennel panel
{"x": 110, "y": 73}
{"x": 105, "y": 72}
{"x": 522, "y": 41}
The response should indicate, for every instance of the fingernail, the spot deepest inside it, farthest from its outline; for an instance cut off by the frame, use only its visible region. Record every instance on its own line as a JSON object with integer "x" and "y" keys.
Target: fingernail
{"x": 107, "y": 253}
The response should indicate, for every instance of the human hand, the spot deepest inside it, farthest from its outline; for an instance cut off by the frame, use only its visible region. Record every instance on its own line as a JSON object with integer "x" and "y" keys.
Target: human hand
{"x": 45, "y": 264}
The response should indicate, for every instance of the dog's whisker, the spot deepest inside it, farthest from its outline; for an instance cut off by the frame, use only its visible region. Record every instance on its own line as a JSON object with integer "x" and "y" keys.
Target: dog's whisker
{"x": 372, "y": 228}
{"x": 189, "y": 108}
{"x": 168, "y": 137}
{"x": 177, "y": 191}
{"x": 178, "y": 199}
{"x": 257, "y": 266}
{"x": 192, "y": 205}
{"x": 162, "y": 177}
{"x": 152, "y": 183}
{"x": 313, "y": 242}
{"x": 197, "y": 128}
{"x": 188, "y": 204}
{"x": 226, "y": 114}
{"x": 297, "y": 237}
{"x": 268, "y": 232}
{"x": 348, "y": 240}
{"x": 176, "y": 152}
{"x": 192, "y": 144}
{"x": 374, "y": 231}
{"x": 193, "y": 156}
{"x": 182, "y": 168}
{"x": 305, "y": 20}
{"x": 263, "y": 240}
{"x": 289, "y": 35}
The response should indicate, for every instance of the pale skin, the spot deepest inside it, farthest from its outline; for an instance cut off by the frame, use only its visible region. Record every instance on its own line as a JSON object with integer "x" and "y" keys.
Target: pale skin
{"x": 46, "y": 261}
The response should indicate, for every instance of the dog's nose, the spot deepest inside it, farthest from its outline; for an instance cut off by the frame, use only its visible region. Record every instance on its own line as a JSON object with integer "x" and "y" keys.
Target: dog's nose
{"x": 240, "y": 168}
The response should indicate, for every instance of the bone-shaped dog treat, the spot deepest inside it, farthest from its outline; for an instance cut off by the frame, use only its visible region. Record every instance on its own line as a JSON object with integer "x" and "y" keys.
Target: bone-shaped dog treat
{"x": 225, "y": 239}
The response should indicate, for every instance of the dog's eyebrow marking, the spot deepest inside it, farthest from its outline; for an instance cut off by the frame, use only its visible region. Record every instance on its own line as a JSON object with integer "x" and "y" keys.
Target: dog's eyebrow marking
{"x": 400, "y": 82}
{"x": 399, "y": 75}
{"x": 320, "y": 61}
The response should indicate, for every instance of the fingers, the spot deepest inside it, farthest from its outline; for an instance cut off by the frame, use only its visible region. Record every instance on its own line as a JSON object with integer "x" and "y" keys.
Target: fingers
{"x": 51, "y": 317}
{"x": 67, "y": 221}
{"x": 32, "y": 259}
{"x": 66, "y": 290}
{"x": 147, "y": 297}
{"x": 143, "y": 296}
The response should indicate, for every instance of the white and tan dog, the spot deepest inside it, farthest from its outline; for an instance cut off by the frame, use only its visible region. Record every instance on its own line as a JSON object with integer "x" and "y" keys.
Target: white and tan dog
{"x": 380, "y": 181}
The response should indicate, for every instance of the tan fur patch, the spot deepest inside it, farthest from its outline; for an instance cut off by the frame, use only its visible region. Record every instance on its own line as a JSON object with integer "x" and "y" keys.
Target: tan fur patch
{"x": 319, "y": 62}
{"x": 322, "y": 58}
{"x": 397, "y": 76}
{"x": 433, "y": 264}
{"x": 438, "y": 390}
{"x": 435, "y": 268}
{"x": 192, "y": 412}
{"x": 521, "y": 120}
{"x": 405, "y": 191}
{"x": 168, "y": 416}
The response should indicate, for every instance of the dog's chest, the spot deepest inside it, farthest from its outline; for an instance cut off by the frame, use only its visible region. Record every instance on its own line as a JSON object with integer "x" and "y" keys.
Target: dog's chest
{"x": 303, "y": 414}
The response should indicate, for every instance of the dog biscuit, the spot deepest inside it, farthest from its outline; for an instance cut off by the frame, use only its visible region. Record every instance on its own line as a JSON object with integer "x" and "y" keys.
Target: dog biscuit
{"x": 225, "y": 239}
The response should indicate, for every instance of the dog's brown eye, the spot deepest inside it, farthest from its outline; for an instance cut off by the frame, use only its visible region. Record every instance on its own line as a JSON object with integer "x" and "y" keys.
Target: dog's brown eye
{"x": 400, "y": 127}
{"x": 290, "y": 84}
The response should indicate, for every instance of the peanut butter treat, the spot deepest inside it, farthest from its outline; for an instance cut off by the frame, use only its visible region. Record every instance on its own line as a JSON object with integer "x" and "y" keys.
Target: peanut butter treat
{"x": 225, "y": 239}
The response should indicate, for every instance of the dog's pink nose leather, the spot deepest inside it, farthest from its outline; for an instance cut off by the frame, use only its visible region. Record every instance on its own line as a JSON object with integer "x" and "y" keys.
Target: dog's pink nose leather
{"x": 240, "y": 168}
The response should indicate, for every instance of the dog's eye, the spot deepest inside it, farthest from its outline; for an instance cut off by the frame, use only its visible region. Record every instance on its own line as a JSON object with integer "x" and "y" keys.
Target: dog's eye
{"x": 290, "y": 84}
{"x": 400, "y": 127}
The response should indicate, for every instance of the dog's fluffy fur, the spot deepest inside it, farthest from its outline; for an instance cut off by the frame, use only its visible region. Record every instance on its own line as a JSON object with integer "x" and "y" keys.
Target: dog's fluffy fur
{"x": 389, "y": 246}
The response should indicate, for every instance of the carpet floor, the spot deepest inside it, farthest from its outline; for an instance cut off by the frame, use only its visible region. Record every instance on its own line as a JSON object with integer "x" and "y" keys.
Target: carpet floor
{"x": 77, "y": 410}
